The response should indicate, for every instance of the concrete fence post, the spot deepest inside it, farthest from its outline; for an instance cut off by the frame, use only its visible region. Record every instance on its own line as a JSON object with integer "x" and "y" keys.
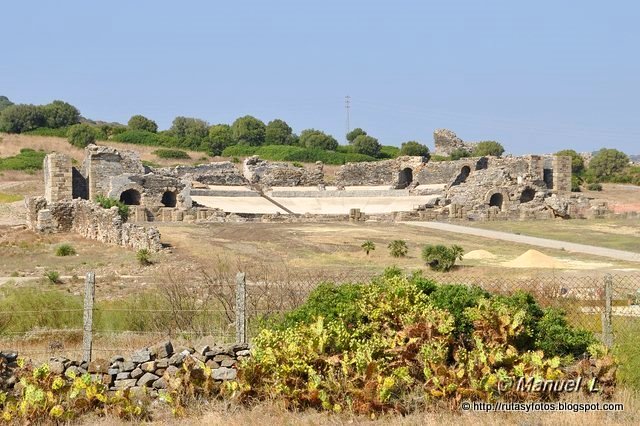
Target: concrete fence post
{"x": 607, "y": 326}
{"x": 87, "y": 318}
{"x": 241, "y": 305}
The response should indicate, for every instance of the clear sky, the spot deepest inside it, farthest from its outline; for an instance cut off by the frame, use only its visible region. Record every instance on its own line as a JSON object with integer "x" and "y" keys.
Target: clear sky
{"x": 537, "y": 76}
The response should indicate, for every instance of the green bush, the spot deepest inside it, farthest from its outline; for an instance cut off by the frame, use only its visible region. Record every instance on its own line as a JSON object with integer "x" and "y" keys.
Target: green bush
{"x": 143, "y": 137}
{"x": 53, "y": 277}
{"x": 60, "y": 132}
{"x": 27, "y": 160}
{"x": 442, "y": 258}
{"x": 389, "y": 152}
{"x": 140, "y": 122}
{"x": 171, "y": 153}
{"x": 398, "y": 248}
{"x": 107, "y": 203}
{"x": 488, "y": 148}
{"x": 143, "y": 256}
{"x": 414, "y": 148}
{"x": 20, "y": 118}
{"x": 554, "y": 335}
{"x": 368, "y": 246}
{"x": 455, "y": 299}
{"x": 575, "y": 183}
{"x": 81, "y": 135}
{"x": 65, "y": 250}
{"x": 594, "y": 187}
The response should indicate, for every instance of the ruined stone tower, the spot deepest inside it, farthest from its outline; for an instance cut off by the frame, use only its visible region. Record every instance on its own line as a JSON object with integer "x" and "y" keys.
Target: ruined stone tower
{"x": 58, "y": 183}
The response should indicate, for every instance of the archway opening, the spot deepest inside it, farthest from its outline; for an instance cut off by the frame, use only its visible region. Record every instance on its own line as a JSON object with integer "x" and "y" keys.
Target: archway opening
{"x": 130, "y": 197}
{"x": 464, "y": 174}
{"x": 169, "y": 199}
{"x": 405, "y": 177}
{"x": 496, "y": 200}
{"x": 527, "y": 195}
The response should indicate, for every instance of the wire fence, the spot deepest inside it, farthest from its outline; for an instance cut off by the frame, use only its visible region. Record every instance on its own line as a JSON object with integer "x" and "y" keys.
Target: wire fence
{"x": 223, "y": 307}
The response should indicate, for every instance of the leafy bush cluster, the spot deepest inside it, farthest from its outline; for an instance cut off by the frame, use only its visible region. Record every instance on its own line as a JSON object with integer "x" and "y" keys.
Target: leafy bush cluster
{"x": 107, "y": 203}
{"x": 401, "y": 343}
{"x": 27, "y": 160}
{"x": 442, "y": 258}
{"x": 18, "y": 118}
{"x": 171, "y": 153}
{"x": 65, "y": 250}
{"x": 606, "y": 165}
{"x": 45, "y": 396}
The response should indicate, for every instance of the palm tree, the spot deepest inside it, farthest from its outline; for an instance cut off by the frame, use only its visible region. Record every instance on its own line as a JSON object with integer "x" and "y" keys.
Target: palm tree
{"x": 368, "y": 246}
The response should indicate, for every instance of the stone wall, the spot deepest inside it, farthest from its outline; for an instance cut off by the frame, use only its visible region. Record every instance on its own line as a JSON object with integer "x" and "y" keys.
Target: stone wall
{"x": 223, "y": 173}
{"x": 148, "y": 368}
{"x": 103, "y": 162}
{"x": 90, "y": 221}
{"x": 386, "y": 172}
{"x": 271, "y": 174}
{"x": 155, "y": 190}
{"x": 446, "y": 141}
{"x": 58, "y": 179}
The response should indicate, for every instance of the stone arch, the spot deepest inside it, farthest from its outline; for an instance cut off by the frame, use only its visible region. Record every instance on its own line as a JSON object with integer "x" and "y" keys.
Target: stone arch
{"x": 465, "y": 171}
{"x": 169, "y": 198}
{"x": 405, "y": 177}
{"x": 131, "y": 197}
{"x": 528, "y": 194}
{"x": 498, "y": 197}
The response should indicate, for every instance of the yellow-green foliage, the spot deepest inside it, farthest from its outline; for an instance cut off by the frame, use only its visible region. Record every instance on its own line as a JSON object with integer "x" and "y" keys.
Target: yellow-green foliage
{"x": 400, "y": 352}
{"x": 41, "y": 395}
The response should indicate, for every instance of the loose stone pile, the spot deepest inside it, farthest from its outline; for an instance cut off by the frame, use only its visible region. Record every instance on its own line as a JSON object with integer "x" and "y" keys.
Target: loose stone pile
{"x": 149, "y": 367}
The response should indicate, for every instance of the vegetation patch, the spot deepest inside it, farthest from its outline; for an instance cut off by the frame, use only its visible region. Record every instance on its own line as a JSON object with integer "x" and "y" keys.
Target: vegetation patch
{"x": 107, "y": 203}
{"x": 9, "y": 198}
{"x": 27, "y": 160}
{"x": 295, "y": 153}
{"x": 171, "y": 153}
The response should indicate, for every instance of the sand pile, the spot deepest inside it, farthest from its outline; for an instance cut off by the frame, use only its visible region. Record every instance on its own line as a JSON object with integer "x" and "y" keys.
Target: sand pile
{"x": 535, "y": 259}
{"x": 479, "y": 255}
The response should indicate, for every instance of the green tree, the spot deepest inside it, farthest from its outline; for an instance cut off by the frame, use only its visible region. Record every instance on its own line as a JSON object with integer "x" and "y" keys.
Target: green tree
{"x": 459, "y": 153}
{"x": 81, "y": 135}
{"x": 140, "y": 122}
{"x": 278, "y": 132}
{"x": 352, "y": 135}
{"x": 441, "y": 258}
{"x": 191, "y": 132}
{"x": 220, "y": 137}
{"x": 21, "y": 118}
{"x": 4, "y": 102}
{"x": 60, "y": 114}
{"x": 398, "y": 248}
{"x": 312, "y": 138}
{"x": 488, "y": 148}
{"x": 415, "y": 149}
{"x": 577, "y": 162}
{"x": 368, "y": 246}
{"x": 248, "y": 130}
{"x": 607, "y": 162}
{"x": 367, "y": 145}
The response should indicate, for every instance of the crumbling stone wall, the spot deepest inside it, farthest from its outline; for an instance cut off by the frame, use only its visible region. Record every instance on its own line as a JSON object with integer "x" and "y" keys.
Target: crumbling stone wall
{"x": 155, "y": 190}
{"x": 147, "y": 369}
{"x": 446, "y": 141}
{"x": 386, "y": 172}
{"x": 91, "y": 221}
{"x": 103, "y": 162}
{"x": 222, "y": 173}
{"x": 272, "y": 174}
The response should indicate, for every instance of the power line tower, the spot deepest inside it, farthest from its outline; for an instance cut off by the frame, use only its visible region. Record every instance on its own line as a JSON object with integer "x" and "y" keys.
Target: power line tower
{"x": 347, "y": 107}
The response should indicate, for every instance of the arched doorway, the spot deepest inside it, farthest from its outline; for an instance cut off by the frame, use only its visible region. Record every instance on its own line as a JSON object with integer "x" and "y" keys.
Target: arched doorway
{"x": 527, "y": 195}
{"x": 169, "y": 199}
{"x": 496, "y": 200}
{"x": 464, "y": 174}
{"x": 130, "y": 197}
{"x": 405, "y": 177}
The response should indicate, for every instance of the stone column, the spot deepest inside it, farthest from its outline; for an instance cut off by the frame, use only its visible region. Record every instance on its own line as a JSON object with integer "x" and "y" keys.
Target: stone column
{"x": 58, "y": 180}
{"x": 561, "y": 174}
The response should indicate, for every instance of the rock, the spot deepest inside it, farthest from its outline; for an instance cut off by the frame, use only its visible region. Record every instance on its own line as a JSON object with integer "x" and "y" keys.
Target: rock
{"x": 98, "y": 366}
{"x": 137, "y": 373}
{"x": 125, "y": 384}
{"x": 212, "y": 364}
{"x": 123, "y": 376}
{"x": 128, "y": 366}
{"x": 161, "y": 383}
{"x": 71, "y": 370}
{"x": 199, "y": 357}
{"x": 244, "y": 352}
{"x": 176, "y": 359}
{"x": 203, "y": 350}
{"x": 107, "y": 379}
{"x": 116, "y": 358}
{"x": 10, "y": 356}
{"x": 147, "y": 379}
{"x": 148, "y": 366}
{"x": 113, "y": 371}
{"x": 240, "y": 347}
{"x": 224, "y": 373}
{"x": 171, "y": 370}
{"x": 159, "y": 371}
{"x": 162, "y": 363}
{"x": 56, "y": 367}
{"x": 228, "y": 362}
{"x": 222, "y": 357}
{"x": 141, "y": 356}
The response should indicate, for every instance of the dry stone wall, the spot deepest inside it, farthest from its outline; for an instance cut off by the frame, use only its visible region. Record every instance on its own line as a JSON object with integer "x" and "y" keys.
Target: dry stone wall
{"x": 149, "y": 368}
{"x": 222, "y": 173}
{"x": 271, "y": 174}
{"x": 91, "y": 221}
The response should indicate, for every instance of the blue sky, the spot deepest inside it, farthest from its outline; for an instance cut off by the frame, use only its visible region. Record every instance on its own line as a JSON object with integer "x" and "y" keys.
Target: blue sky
{"x": 536, "y": 76}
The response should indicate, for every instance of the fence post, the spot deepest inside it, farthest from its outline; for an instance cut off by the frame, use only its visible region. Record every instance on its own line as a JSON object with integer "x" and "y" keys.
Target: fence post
{"x": 87, "y": 318}
{"x": 241, "y": 304}
{"x": 607, "y": 327}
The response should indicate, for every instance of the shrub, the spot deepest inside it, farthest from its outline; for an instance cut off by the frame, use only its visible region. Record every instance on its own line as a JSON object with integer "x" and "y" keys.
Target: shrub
{"x": 456, "y": 154}
{"x": 312, "y": 138}
{"x": 107, "y": 203}
{"x": 297, "y": 164}
{"x": 27, "y": 160}
{"x": 81, "y": 135}
{"x": 594, "y": 187}
{"x": 367, "y": 145}
{"x": 414, "y": 148}
{"x": 171, "y": 153}
{"x": 248, "y": 130}
{"x": 387, "y": 151}
{"x": 442, "y": 258}
{"x": 398, "y": 248}
{"x": 21, "y": 118}
{"x": 60, "y": 132}
{"x": 65, "y": 250}
{"x": 368, "y": 246}
{"x": 140, "y": 122}
{"x": 143, "y": 256}
{"x": 143, "y": 137}
{"x": 554, "y": 335}
{"x": 53, "y": 277}
{"x": 607, "y": 162}
{"x": 575, "y": 183}
{"x": 294, "y": 153}
{"x": 60, "y": 114}
{"x": 455, "y": 299}
{"x": 488, "y": 148}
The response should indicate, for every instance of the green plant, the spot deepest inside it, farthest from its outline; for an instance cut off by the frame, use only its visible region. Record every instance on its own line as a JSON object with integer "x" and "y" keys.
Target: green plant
{"x": 441, "y": 258}
{"x": 171, "y": 153}
{"x": 140, "y": 122}
{"x": 107, "y": 203}
{"x": 65, "y": 250}
{"x": 143, "y": 256}
{"x": 81, "y": 135}
{"x": 488, "y": 148}
{"x": 27, "y": 160}
{"x": 594, "y": 187}
{"x": 455, "y": 299}
{"x": 368, "y": 246}
{"x": 554, "y": 335}
{"x": 297, "y": 164}
{"x": 414, "y": 148}
{"x": 53, "y": 277}
{"x": 398, "y": 248}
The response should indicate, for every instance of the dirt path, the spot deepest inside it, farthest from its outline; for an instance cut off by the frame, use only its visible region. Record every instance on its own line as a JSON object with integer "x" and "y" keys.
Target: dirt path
{"x": 534, "y": 241}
